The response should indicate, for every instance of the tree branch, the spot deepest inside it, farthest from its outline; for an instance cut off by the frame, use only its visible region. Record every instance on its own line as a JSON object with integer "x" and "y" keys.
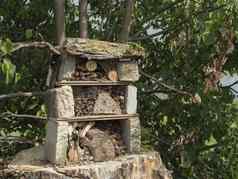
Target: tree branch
{"x": 20, "y": 45}
{"x": 165, "y": 85}
{"x": 126, "y": 27}
{"x": 158, "y": 14}
{"x": 22, "y": 94}
{"x": 230, "y": 85}
{"x": 60, "y": 21}
{"x": 177, "y": 25}
{"x": 234, "y": 91}
{"x": 83, "y": 19}
{"x": 23, "y": 116}
{"x": 16, "y": 139}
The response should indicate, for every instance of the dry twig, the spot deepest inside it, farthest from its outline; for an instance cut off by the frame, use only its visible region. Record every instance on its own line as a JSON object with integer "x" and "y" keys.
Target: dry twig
{"x": 22, "y": 94}
{"x": 20, "y": 45}
{"x": 22, "y": 116}
{"x": 165, "y": 85}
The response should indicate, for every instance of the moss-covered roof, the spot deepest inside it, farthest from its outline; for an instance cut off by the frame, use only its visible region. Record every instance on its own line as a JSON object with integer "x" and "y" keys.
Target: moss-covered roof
{"x": 96, "y": 49}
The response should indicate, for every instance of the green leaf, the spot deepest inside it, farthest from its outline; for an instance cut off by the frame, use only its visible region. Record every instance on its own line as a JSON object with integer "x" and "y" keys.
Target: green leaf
{"x": 29, "y": 33}
{"x": 8, "y": 70}
{"x": 6, "y": 47}
{"x": 17, "y": 77}
{"x": 211, "y": 141}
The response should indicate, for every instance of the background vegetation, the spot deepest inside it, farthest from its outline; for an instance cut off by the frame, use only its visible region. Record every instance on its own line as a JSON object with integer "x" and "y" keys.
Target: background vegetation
{"x": 186, "y": 114}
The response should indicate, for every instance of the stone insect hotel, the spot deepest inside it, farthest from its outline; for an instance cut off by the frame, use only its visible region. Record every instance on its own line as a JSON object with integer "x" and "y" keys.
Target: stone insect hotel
{"x": 92, "y": 104}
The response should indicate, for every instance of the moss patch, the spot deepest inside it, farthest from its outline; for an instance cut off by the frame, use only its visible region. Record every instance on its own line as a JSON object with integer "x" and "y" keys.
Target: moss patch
{"x": 77, "y": 46}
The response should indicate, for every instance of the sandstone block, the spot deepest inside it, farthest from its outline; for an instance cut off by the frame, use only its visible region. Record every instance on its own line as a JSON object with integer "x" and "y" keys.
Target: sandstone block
{"x": 128, "y": 71}
{"x": 60, "y": 102}
{"x": 32, "y": 156}
{"x": 131, "y": 133}
{"x": 131, "y": 100}
{"x": 67, "y": 68}
{"x": 56, "y": 142}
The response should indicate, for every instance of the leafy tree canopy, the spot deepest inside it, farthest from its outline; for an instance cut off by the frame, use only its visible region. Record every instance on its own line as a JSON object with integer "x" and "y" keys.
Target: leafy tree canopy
{"x": 186, "y": 114}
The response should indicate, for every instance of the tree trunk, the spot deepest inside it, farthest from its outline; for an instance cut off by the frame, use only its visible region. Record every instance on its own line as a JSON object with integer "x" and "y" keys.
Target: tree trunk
{"x": 83, "y": 19}
{"x": 126, "y": 25}
{"x": 60, "y": 21}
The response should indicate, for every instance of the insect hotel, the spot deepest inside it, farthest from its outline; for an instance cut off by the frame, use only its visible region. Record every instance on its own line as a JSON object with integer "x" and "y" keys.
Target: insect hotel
{"x": 92, "y": 104}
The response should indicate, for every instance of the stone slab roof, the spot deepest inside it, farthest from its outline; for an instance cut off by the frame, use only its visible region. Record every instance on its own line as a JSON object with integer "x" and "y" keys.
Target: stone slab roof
{"x": 101, "y": 50}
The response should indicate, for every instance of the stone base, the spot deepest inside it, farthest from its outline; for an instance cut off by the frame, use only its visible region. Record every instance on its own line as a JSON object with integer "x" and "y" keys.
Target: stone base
{"x": 141, "y": 166}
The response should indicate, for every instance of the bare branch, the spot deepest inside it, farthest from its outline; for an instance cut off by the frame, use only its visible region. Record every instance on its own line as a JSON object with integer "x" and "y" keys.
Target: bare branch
{"x": 20, "y": 45}
{"x": 165, "y": 8}
{"x": 234, "y": 91}
{"x": 16, "y": 139}
{"x": 126, "y": 27}
{"x": 166, "y": 31}
{"x": 60, "y": 21}
{"x": 230, "y": 85}
{"x": 165, "y": 85}
{"x": 23, "y": 116}
{"x": 86, "y": 129}
{"x": 83, "y": 19}
{"x": 22, "y": 94}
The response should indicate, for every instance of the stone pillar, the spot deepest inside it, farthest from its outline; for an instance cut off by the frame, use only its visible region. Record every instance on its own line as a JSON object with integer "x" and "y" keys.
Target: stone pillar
{"x": 128, "y": 71}
{"x": 60, "y": 106}
{"x": 131, "y": 99}
{"x": 131, "y": 134}
{"x": 131, "y": 131}
{"x": 67, "y": 68}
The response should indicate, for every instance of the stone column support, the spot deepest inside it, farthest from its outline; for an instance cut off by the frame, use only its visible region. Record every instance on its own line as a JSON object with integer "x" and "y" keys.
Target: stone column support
{"x": 131, "y": 99}
{"x": 67, "y": 67}
{"x": 128, "y": 71}
{"x": 60, "y": 106}
{"x": 131, "y": 134}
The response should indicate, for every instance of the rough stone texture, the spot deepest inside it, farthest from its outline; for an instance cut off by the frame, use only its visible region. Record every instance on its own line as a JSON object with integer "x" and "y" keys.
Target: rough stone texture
{"x": 67, "y": 68}
{"x": 56, "y": 142}
{"x": 143, "y": 166}
{"x": 30, "y": 156}
{"x": 128, "y": 71}
{"x": 60, "y": 104}
{"x": 131, "y": 100}
{"x": 131, "y": 133}
{"x": 100, "y": 145}
{"x": 105, "y": 104}
{"x": 96, "y": 48}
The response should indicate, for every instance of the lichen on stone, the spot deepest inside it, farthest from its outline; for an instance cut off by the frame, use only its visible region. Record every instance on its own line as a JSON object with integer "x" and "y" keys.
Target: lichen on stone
{"x": 77, "y": 46}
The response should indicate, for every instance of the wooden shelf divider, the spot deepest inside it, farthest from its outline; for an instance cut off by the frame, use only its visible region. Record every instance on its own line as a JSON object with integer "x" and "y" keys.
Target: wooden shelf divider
{"x": 96, "y": 118}
{"x": 93, "y": 83}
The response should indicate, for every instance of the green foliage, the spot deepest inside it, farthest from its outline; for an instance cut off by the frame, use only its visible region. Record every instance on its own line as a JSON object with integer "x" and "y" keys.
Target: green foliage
{"x": 196, "y": 140}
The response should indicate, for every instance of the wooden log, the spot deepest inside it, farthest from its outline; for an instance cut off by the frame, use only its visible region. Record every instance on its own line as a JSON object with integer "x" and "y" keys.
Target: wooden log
{"x": 91, "y": 65}
{"x": 112, "y": 75}
{"x": 110, "y": 70}
{"x": 73, "y": 154}
{"x": 86, "y": 129}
